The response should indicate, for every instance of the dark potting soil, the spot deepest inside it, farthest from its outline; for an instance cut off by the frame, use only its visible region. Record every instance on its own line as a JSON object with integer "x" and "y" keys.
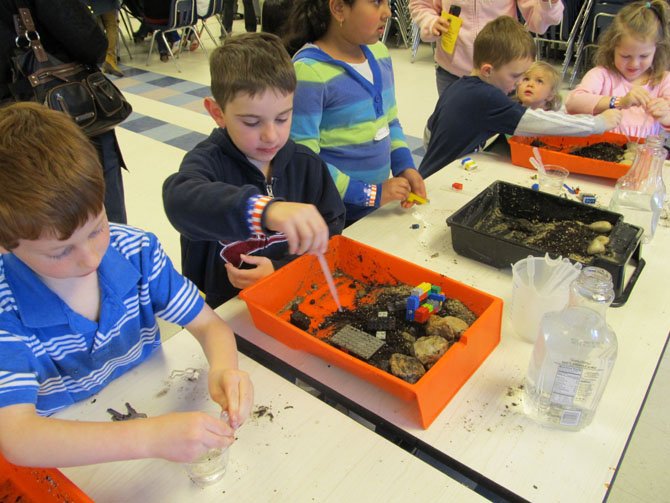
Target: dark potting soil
{"x": 390, "y": 300}
{"x": 602, "y": 151}
{"x": 567, "y": 238}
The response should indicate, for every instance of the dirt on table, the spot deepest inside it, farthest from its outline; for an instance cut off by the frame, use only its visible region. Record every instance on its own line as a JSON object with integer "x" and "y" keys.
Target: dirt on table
{"x": 380, "y": 312}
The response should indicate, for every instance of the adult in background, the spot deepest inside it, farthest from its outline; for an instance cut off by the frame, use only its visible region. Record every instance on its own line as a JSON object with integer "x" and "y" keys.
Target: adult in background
{"x": 68, "y": 30}
{"x": 108, "y": 13}
{"x": 539, "y": 15}
{"x": 249, "y": 15}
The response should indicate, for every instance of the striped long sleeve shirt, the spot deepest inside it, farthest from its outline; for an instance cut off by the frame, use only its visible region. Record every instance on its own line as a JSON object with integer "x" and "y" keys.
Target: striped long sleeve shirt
{"x": 351, "y": 123}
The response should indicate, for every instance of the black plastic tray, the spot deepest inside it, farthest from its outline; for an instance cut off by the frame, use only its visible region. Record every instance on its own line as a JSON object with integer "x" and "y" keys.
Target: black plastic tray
{"x": 521, "y": 202}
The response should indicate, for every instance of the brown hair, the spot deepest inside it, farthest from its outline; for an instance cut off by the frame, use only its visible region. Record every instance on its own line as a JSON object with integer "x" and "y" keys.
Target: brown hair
{"x": 646, "y": 21}
{"x": 50, "y": 175}
{"x": 501, "y": 41}
{"x": 250, "y": 63}
{"x": 555, "y": 76}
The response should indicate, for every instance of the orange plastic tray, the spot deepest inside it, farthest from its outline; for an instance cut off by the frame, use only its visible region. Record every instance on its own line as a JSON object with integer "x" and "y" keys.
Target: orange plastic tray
{"x": 521, "y": 151}
{"x": 303, "y": 281}
{"x": 37, "y": 485}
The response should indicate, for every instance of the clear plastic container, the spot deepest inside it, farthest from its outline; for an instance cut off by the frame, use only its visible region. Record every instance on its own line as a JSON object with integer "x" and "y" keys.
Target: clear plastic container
{"x": 639, "y": 194}
{"x": 573, "y": 356}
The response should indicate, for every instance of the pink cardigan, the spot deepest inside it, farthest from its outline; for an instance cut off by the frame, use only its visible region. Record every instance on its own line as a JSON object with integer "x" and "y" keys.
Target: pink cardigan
{"x": 599, "y": 82}
{"x": 539, "y": 15}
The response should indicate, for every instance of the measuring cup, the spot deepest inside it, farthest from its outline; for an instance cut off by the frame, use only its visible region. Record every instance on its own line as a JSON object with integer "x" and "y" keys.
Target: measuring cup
{"x": 553, "y": 177}
{"x": 211, "y": 466}
{"x": 539, "y": 285}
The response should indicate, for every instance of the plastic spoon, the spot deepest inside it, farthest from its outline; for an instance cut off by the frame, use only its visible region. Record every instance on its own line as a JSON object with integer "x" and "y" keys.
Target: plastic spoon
{"x": 329, "y": 279}
{"x": 536, "y": 161}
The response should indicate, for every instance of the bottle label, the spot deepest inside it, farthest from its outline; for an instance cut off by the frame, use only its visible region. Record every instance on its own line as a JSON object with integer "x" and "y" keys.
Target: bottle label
{"x": 574, "y": 388}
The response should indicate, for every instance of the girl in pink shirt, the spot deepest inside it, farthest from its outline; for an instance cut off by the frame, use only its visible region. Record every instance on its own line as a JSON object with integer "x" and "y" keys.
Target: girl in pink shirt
{"x": 631, "y": 60}
{"x": 539, "y": 15}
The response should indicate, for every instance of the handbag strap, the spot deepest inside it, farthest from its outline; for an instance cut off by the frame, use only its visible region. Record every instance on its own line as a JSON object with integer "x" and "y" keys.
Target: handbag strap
{"x": 26, "y": 32}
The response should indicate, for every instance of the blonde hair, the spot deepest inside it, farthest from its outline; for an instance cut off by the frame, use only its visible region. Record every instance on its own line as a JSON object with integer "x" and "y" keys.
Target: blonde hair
{"x": 643, "y": 21}
{"x": 553, "y": 103}
{"x": 50, "y": 175}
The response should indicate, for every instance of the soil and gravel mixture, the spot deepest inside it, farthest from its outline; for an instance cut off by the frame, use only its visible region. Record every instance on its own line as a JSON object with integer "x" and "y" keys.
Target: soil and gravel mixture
{"x": 399, "y": 335}
{"x": 568, "y": 238}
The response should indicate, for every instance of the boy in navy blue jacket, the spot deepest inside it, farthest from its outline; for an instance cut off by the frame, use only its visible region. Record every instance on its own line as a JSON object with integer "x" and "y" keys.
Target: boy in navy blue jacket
{"x": 248, "y": 199}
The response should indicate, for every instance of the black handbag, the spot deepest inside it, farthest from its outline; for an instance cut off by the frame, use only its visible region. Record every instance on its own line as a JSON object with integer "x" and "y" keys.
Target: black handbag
{"x": 81, "y": 91}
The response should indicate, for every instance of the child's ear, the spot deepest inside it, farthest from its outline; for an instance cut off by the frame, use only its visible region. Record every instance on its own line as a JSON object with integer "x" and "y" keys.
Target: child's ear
{"x": 337, "y": 10}
{"x": 215, "y": 112}
{"x": 486, "y": 69}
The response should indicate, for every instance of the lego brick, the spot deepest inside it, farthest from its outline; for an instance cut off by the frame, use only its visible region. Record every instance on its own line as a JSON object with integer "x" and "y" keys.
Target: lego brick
{"x": 356, "y": 341}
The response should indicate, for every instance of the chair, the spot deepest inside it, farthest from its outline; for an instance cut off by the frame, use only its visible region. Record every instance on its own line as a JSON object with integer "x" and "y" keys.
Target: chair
{"x": 183, "y": 17}
{"x": 401, "y": 16}
{"x": 214, "y": 10}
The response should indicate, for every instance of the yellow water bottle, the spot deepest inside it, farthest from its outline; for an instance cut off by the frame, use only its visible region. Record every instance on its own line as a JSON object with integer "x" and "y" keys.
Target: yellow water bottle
{"x": 449, "y": 39}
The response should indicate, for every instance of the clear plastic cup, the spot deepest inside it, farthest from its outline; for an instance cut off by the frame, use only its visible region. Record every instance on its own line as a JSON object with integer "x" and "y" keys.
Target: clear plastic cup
{"x": 211, "y": 466}
{"x": 539, "y": 285}
{"x": 552, "y": 180}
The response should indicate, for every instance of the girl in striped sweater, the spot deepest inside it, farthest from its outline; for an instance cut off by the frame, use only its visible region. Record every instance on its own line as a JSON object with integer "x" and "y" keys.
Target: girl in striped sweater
{"x": 344, "y": 106}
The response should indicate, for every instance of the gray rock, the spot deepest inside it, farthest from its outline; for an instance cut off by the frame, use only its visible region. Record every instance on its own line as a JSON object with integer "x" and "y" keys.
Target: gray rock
{"x": 406, "y": 368}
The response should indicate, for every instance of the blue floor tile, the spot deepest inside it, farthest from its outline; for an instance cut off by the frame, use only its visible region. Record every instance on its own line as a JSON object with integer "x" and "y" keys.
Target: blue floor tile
{"x": 164, "y": 81}
{"x": 188, "y": 141}
{"x": 202, "y": 92}
{"x": 142, "y": 124}
{"x": 130, "y": 71}
{"x": 185, "y": 86}
{"x": 180, "y": 99}
{"x": 166, "y": 132}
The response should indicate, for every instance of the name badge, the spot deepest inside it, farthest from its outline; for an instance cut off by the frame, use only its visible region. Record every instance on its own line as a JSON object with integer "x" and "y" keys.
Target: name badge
{"x": 382, "y": 133}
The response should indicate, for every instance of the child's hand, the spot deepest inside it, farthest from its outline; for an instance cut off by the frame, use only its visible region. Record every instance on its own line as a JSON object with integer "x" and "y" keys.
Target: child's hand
{"x": 302, "y": 224}
{"x": 395, "y": 189}
{"x": 183, "y": 436}
{"x": 242, "y": 278}
{"x": 659, "y": 109}
{"x": 441, "y": 26}
{"x": 416, "y": 184}
{"x": 233, "y": 391}
{"x": 638, "y": 96}
{"x": 612, "y": 118}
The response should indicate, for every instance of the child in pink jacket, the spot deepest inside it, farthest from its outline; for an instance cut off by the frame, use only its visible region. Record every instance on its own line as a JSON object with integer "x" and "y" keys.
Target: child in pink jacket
{"x": 631, "y": 73}
{"x": 539, "y": 15}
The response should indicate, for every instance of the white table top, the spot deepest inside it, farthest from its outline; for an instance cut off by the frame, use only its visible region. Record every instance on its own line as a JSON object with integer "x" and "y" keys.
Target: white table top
{"x": 307, "y": 451}
{"x": 484, "y": 427}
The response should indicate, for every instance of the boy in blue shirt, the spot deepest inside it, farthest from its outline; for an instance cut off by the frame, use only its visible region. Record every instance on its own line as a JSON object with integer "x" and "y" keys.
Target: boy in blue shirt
{"x": 476, "y": 107}
{"x": 78, "y": 304}
{"x": 248, "y": 199}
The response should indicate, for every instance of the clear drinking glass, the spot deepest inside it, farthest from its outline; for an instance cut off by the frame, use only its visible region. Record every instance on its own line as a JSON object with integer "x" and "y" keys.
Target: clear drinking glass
{"x": 211, "y": 466}
{"x": 552, "y": 180}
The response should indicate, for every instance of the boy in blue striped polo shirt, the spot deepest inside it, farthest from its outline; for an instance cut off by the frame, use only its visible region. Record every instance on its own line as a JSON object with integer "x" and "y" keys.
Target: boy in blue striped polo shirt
{"x": 79, "y": 299}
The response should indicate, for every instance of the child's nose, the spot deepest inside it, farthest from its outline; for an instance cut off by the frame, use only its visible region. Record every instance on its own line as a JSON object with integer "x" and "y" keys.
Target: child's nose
{"x": 269, "y": 133}
{"x": 89, "y": 256}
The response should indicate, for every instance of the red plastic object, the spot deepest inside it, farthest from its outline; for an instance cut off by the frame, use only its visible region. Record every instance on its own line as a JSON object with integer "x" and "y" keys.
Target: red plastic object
{"x": 556, "y": 152}
{"x": 457, "y": 186}
{"x": 37, "y": 485}
{"x": 270, "y": 299}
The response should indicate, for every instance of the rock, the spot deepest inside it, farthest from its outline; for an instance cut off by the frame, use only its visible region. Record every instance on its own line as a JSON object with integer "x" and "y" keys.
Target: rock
{"x": 300, "y": 320}
{"x": 406, "y": 368}
{"x": 455, "y": 307}
{"x": 429, "y": 349}
{"x": 458, "y": 326}
{"x": 408, "y": 337}
{"x": 438, "y": 326}
{"x": 596, "y": 247}
{"x": 601, "y": 226}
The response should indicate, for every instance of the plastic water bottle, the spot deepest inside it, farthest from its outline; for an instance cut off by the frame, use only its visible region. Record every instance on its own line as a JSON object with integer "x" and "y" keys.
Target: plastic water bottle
{"x": 640, "y": 193}
{"x": 573, "y": 356}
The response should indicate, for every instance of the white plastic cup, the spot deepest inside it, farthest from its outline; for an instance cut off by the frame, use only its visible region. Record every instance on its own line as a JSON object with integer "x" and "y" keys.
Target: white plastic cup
{"x": 211, "y": 466}
{"x": 552, "y": 180}
{"x": 529, "y": 304}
